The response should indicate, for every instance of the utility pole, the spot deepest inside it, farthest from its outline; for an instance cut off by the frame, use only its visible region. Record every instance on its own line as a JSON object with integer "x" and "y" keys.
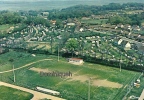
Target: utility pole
{"x": 120, "y": 62}
{"x": 13, "y": 73}
{"x": 89, "y": 89}
{"x": 58, "y": 52}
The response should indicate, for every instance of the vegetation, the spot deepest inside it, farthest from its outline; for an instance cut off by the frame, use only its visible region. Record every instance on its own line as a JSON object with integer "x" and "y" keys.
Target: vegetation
{"x": 83, "y": 11}
{"x": 7, "y": 93}
{"x": 72, "y": 45}
{"x": 126, "y": 19}
{"x": 5, "y": 27}
{"x": 9, "y": 18}
{"x": 69, "y": 89}
{"x": 87, "y": 32}
{"x": 37, "y": 20}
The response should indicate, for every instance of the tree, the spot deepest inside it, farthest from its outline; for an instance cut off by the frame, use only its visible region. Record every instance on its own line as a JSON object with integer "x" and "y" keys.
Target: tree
{"x": 59, "y": 24}
{"x": 72, "y": 45}
{"x": 51, "y": 34}
{"x": 10, "y": 18}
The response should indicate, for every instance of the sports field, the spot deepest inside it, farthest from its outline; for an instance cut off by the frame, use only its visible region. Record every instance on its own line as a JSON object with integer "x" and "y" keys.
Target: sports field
{"x": 106, "y": 83}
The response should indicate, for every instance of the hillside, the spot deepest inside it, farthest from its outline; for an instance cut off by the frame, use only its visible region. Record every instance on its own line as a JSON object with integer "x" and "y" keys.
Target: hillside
{"x": 53, "y": 4}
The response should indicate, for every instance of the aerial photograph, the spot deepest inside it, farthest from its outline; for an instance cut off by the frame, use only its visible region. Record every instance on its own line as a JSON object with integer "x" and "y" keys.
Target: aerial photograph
{"x": 71, "y": 49}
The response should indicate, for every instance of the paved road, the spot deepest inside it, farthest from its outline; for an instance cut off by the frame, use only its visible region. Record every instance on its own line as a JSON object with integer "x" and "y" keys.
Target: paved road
{"x": 35, "y": 30}
{"x": 141, "y": 96}
{"x": 25, "y": 65}
{"x": 37, "y": 95}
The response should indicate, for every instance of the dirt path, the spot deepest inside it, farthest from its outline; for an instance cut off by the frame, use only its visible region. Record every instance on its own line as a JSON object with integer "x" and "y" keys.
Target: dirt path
{"x": 37, "y": 95}
{"x": 95, "y": 81}
{"x": 24, "y": 66}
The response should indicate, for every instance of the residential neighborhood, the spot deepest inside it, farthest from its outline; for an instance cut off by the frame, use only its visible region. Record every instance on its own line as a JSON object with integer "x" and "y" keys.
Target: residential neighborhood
{"x": 102, "y": 47}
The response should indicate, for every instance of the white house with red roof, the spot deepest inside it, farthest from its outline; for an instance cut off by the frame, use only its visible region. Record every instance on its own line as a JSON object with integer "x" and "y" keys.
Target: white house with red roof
{"x": 76, "y": 61}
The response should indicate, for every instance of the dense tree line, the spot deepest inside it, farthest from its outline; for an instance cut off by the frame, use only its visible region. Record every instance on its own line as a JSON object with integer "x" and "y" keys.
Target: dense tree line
{"x": 134, "y": 19}
{"x": 71, "y": 12}
{"x": 134, "y": 6}
{"x": 9, "y": 18}
{"x": 84, "y": 10}
{"x": 36, "y": 20}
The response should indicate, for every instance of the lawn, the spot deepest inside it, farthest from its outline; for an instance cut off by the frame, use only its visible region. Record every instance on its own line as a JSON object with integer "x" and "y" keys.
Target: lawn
{"x": 7, "y": 93}
{"x": 5, "y": 27}
{"x": 71, "y": 88}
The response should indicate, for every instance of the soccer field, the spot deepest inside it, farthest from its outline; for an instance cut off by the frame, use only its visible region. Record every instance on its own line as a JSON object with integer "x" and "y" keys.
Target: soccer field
{"x": 106, "y": 83}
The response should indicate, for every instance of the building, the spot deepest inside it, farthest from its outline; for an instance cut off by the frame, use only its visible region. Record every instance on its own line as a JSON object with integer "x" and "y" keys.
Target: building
{"x": 76, "y": 61}
{"x": 126, "y": 45}
{"x": 53, "y": 22}
{"x": 120, "y": 41}
{"x": 70, "y": 24}
{"x": 141, "y": 38}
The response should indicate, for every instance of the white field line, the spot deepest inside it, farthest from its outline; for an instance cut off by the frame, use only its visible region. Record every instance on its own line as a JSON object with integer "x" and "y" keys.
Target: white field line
{"x": 24, "y": 66}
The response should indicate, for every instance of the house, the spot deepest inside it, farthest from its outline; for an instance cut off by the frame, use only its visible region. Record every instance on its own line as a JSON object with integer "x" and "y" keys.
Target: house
{"x": 85, "y": 18}
{"x": 93, "y": 41}
{"x": 136, "y": 28}
{"x": 140, "y": 38}
{"x": 126, "y": 45}
{"x": 133, "y": 36}
{"x": 70, "y": 24}
{"x": 125, "y": 33}
{"x": 120, "y": 41}
{"x": 127, "y": 26}
{"x": 81, "y": 30}
{"x": 76, "y": 61}
{"x": 88, "y": 38}
{"x": 53, "y": 22}
{"x": 33, "y": 39}
{"x": 45, "y": 13}
{"x": 120, "y": 26}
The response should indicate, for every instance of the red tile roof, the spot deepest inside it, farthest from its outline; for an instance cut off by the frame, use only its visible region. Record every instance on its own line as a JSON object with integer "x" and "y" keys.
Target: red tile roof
{"x": 75, "y": 59}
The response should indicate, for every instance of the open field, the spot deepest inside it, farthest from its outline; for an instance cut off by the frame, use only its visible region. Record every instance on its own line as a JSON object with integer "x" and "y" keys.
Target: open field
{"x": 5, "y": 28}
{"x": 7, "y": 93}
{"x": 107, "y": 83}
